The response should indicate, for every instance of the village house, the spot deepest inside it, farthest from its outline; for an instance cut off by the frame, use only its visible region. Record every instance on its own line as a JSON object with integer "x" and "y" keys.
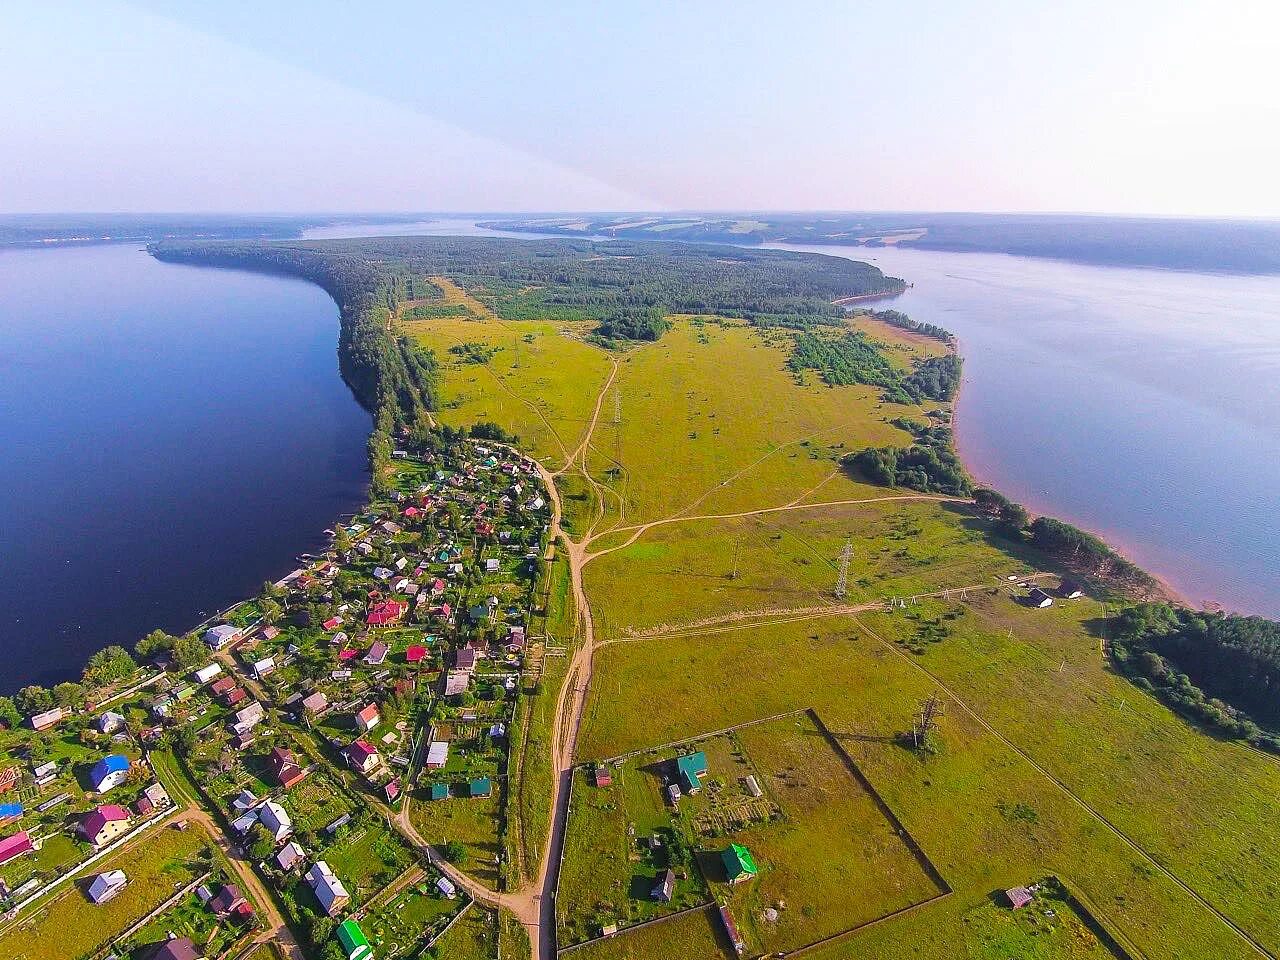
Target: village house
{"x": 377, "y": 654}
{"x": 480, "y": 787}
{"x": 465, "y": 659}
{"x": 691, "y": 768}
{"x": 362, "y": 757}
{"x": 415, "y": 653}
{"x": 248, "y": 718}
{"x": 665, "y": 887}
{"x": 328, "y": 888}
{"x": 315, "y": 703}
{"x": 437, "y": 754}
{"x": 276, "y": 819}
{"x": 1038, "y": 598}
{"x": 263, "y": 667}
{"x": 284, "y": 768}
{"x": 234, "y": 696}
{"x": 15, "y": 846}
{"x": 104, "y": 824}
{"x": 109, "y": 772}
{"x": 446, "y": 888}
{"x": 456, "y": 682}
{"x": 177, "y": 948}
{"x": 221, "y": 635}
{"x": 106, "y": 885}
{"x": 229, "y": 900}
{"x": 220, "y": 687}
{"x": 1018, "y": 897}
{"x": 367, "y": 717}
{"x": 110, "y": 722}
{"x": 738, "y": 863}
{"x": 45, "y": 720}
{"x": 385, "y": 612}
{"x": 289, "y": 856}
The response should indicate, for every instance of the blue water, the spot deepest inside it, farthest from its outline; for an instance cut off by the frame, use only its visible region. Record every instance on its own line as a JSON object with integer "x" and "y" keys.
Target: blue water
{"x": 172, "y": 436}
{"x": 1143, "y": 405}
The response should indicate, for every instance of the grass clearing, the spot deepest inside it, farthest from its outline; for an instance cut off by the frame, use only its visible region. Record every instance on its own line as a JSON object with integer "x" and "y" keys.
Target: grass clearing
{"x": 66, "y": 924}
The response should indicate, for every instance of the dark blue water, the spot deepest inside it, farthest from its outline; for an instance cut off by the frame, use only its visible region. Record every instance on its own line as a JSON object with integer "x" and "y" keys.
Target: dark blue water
{"x": 170, "y": 437}
{"x": 1141, "y": 404}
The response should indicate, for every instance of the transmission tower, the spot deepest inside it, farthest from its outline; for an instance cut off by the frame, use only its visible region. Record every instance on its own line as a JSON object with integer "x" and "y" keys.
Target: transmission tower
{"x": 842, "y": 581}
{"x": 926, "y": 720}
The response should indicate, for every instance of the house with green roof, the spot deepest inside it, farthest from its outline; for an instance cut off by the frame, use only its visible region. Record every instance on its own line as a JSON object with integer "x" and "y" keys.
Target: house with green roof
{"x": 738, "y": 863}
{"x": 692, "y": 767}
{"x": 353, "y": 941}
{"x": 439, "y": 791}
{"x": 481, "y": 787}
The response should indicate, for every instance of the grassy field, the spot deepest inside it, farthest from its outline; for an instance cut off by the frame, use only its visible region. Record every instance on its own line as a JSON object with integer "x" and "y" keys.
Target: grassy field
{"x": 67, "y": 925}
{"x": 1049, "y": 764}
{"x": 473, "y": 937}
{"x": 369, "y": 858}
{"x": 691, "y": 936}
{"x": 473, "y": 823}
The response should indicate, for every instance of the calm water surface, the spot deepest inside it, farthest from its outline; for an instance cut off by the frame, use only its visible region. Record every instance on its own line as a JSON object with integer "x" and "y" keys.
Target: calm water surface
{"x": 1141, "y": 404}
{"x": 170, "y": 437}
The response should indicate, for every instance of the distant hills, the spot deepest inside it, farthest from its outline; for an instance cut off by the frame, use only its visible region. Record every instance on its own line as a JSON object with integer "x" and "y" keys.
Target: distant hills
{"x": 1234, "y": 246}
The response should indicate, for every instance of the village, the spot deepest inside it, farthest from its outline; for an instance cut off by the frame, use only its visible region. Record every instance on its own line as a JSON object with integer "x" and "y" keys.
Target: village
{"x": 343, "y": 743}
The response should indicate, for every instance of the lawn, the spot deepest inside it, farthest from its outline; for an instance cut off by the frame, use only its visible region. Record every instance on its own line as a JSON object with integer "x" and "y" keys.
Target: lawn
{"x": 68, "y": 925}
{"x": 369, "y": 858}
{"x": 397, "y": 926}
{"x": 473, "y": 937}
{"x": 473, "y": 823}
{"x": 691, "y": 936}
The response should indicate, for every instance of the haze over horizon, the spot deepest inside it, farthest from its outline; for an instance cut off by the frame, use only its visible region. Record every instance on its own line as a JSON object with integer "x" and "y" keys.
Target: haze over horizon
{"x": 995, "y": 107}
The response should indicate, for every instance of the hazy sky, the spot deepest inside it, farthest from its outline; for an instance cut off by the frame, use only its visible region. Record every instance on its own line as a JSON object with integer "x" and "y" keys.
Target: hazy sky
{"x": 1116, "y": 106}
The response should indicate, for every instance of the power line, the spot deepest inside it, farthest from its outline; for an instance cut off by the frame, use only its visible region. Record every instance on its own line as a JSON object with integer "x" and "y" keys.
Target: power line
{"x": 842, "y": 581}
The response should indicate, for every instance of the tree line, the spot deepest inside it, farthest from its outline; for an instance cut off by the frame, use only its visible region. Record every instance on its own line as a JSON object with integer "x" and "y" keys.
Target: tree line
{"x": 854, "y": 358}
{"x": 1221, "y": 670}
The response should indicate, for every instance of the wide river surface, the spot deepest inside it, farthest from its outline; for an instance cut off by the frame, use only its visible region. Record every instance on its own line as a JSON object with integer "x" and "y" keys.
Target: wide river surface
{"x": 172, "y": 436}
{"x": 1143, "y": 405}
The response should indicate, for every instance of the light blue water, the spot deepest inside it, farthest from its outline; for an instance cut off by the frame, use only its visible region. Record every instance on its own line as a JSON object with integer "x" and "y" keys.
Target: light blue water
{"x": 1143, "y": 405}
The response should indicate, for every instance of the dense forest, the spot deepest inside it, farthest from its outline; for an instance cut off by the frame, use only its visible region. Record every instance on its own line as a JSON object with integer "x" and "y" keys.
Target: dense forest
{"x": 856, "y": 358}
{"x": 1221, "y": 670}
{"x": 929, "y": 464}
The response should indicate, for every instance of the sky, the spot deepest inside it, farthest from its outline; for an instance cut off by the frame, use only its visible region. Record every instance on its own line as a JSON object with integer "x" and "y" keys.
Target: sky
{"x": 1165, "y": 108}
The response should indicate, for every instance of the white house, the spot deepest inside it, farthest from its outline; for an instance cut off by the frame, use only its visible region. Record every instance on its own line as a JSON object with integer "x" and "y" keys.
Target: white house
{"x": 264, "y": 667}
{"x": 446, "y": 887}
{"x": 383, "y": 573}
{"x": 289, "y": 855}
{"x": 492, "y": 565}
{"x": 107, "y": 885}
{"x": 437, "y": 754}
{"x": 110, "y": 722}
{"x": 248, "y": 718}
{"x": 221, "y": 635}
{"x": 276, "y": 819}
{"x": 329, "y": 890}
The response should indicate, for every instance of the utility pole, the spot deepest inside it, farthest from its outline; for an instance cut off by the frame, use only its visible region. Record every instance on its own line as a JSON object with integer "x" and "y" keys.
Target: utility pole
{"x": 926, "y": 721}
{"x": 842, "y": 581}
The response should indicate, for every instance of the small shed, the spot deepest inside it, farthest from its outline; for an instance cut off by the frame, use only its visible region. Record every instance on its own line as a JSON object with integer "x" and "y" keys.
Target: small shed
{"x": 1018, "y": 897}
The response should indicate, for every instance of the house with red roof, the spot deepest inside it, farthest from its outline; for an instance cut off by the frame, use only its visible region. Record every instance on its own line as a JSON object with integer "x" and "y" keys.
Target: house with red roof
{"x": 388, "y": 611}
{"x": 367, "y": 717}
{"x": 104, "y": 824}
{"x": 285, "y": 768}
{"x": 415, "y": 654}
{"x": 15, "y": 846}
{"x": 333, "y": 623}
{"x": 363, "y": 757}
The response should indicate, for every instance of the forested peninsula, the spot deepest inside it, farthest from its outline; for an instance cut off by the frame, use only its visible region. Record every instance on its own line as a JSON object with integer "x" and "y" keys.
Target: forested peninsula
{"x": 1217, "y": 669}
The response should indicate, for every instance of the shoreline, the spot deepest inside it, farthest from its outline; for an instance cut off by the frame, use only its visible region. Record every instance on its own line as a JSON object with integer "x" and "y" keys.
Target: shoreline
{"x": 983, "y": 477}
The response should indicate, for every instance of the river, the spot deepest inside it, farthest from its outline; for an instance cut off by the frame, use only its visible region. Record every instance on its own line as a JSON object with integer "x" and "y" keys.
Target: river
{"x": 173, "y": 436}
{"x": 1143, "y": 405}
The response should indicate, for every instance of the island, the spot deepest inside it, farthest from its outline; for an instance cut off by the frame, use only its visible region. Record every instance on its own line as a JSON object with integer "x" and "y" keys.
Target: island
{"x": 673, "y": 628}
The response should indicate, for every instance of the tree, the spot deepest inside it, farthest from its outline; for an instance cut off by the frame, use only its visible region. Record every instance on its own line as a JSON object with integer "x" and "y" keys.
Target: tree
{"x": 34, "y": 699}
{"x": 261, "y": 842}
{"x": 109, "y": 665}
{"x": 189, "y": 651}
{"x": 9, "y": 714}
{"x": 153, "y": 644}
{"x": 69, "y": 695}
{"x": 271, "y": 611}
{"x": 454, "y": 852}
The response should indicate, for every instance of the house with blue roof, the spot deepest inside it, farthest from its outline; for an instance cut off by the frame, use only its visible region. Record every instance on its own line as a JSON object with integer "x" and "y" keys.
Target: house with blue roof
{"x": 109, "y": 772}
